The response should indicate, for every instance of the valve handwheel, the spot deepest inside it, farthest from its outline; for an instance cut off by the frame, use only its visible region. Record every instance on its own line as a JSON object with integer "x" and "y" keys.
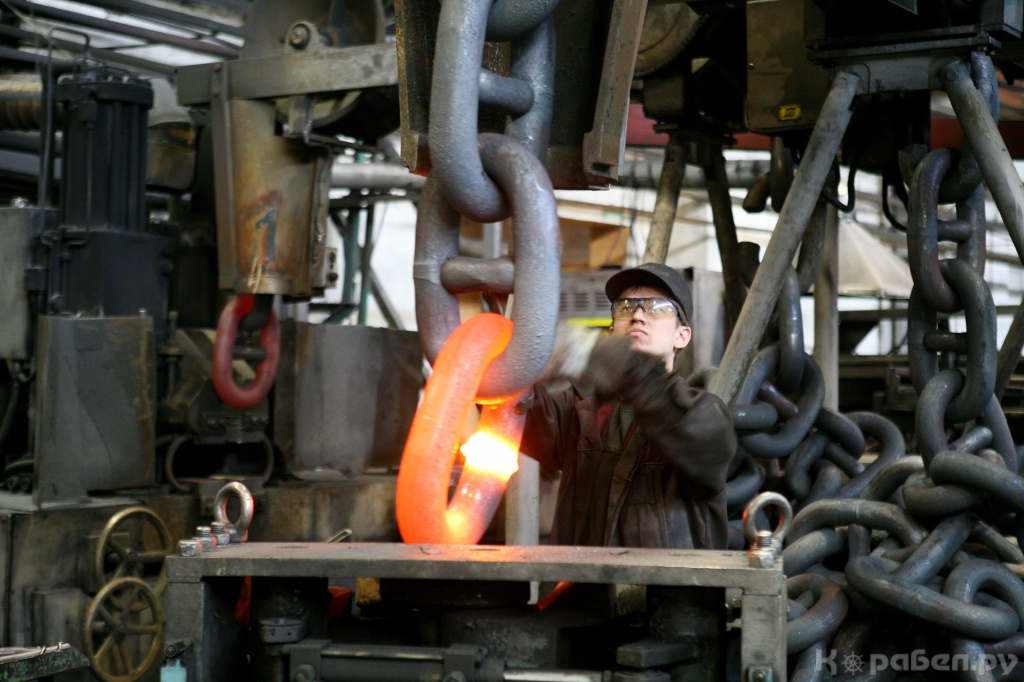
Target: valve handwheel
{"x": 123, "y": 630}
{"x": 133, "y": 544}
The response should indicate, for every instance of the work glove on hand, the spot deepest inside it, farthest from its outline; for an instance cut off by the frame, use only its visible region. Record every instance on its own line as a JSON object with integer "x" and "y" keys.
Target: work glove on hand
{"x": 614, "y": 370}
{"x": 572, "y": 348}
{"x": 617, "y": 371}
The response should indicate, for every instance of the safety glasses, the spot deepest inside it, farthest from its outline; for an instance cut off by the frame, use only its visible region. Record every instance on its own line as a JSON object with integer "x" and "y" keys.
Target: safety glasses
{"x": 655, "y": 307}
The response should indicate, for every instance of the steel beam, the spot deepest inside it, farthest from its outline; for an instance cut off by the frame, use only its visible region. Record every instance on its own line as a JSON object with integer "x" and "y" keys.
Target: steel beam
{"x": 1003, "y": 182}
{"x": 669, "y": 185}
{"x": 331, "y": 69}
{"x": 803, "y": 196}
{"x": 717, "y": 181}
{"x": 826, "y": 309}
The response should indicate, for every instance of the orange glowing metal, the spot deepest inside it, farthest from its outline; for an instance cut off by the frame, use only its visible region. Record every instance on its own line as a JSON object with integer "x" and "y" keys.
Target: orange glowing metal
{"x": 488, "y": 453}
{"x": 422, "y": 508}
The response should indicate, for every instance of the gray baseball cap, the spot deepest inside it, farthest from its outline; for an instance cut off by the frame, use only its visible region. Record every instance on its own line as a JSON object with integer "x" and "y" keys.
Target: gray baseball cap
{"x": 652, "y": 275}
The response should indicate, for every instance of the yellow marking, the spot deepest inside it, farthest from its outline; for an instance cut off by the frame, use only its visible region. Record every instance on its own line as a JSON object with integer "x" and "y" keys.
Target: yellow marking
{"x": 790, "y": 112}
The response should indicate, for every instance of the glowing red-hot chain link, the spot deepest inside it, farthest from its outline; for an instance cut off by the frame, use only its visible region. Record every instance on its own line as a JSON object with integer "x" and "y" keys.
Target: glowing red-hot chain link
{"x": 223, "y": 355}
{"x": 424, "y": 514}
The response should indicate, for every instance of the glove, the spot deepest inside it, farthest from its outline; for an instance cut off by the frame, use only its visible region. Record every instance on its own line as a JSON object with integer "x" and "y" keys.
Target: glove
{"x": 617, "y": 371}
{"x": 573, "y": 345}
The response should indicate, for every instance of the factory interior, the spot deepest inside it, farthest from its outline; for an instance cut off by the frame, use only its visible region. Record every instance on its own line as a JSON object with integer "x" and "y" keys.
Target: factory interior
{"x": 280, "y": 282}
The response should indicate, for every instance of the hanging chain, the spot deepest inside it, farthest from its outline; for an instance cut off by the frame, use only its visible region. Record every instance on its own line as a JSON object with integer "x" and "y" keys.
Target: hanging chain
{"x": 488, "y": 178}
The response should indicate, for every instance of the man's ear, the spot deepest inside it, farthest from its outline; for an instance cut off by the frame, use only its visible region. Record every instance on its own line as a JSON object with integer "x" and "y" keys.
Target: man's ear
{"x": 682, "y": 337}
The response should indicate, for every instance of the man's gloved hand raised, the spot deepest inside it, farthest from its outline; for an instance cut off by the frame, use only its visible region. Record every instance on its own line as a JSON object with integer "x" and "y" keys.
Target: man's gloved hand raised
{"x": 617, "y": 371}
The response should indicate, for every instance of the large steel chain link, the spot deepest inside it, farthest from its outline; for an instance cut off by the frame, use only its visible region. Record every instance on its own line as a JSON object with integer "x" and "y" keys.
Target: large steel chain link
{"x": 934, "y": 536}
{"x": 488, "y": 178}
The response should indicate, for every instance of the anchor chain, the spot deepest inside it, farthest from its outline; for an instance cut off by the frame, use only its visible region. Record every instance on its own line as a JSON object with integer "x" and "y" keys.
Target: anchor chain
{"x": 934, "y": 535}
{"x": 488, "y": 178}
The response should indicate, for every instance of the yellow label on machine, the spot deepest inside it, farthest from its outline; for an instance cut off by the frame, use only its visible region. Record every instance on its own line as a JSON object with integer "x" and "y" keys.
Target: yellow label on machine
{"x": 790, "y": 112}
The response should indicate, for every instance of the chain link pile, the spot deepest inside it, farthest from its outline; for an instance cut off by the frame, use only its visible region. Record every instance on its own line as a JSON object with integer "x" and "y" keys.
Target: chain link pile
{"x": 903, "y": 561}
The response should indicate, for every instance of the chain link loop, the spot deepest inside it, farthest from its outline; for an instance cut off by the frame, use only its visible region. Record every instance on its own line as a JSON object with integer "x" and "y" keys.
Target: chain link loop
{"x": 488, "y": 178}
{"x": 925, "y": 230}
{"x": 440, "y": 276}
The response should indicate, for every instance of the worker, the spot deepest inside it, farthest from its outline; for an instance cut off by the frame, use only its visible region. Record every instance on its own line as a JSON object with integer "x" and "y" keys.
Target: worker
{"x": 643, "y": 456}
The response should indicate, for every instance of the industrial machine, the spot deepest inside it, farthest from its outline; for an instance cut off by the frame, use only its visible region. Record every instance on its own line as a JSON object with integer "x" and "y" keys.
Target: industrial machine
{"x": 165, "y": 237}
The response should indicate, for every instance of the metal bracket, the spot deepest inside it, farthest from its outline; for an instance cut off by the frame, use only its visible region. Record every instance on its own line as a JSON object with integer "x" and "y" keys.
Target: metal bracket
{"x": 177, "y": 647}
{"x": 602, "y": 146}
{"x": 331, "y": 69}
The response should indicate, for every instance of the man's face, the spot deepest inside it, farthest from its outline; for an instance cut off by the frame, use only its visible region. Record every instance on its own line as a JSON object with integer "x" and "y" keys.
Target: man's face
{"x": 660, "y": 337}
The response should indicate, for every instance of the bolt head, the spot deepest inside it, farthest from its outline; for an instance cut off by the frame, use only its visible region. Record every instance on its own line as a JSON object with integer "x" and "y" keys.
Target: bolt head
{"x": 189, "y": 548}
{"x": 299, "y": 36}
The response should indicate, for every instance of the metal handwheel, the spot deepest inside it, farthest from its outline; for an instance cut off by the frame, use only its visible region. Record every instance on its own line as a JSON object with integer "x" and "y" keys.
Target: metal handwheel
{"x": 123, "y": 630}
{"x": 134, "y": 544}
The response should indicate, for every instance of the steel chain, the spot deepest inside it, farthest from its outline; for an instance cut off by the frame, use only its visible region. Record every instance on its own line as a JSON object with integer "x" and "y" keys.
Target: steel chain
{"x": 488, "y": 178}
{"x": 862, "y": 528}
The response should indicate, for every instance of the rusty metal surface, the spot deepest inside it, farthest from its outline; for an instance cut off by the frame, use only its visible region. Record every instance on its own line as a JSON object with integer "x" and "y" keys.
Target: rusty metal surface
{"x": 56, "y": 614}
{"x": 315, "y": 511}
{"x": 345, "y": 396}
{"x": 603, "y": 144}
{"x": 416, "y": 31}
{"x": 577, "y": 79}
{"x": 415, "y": 27}
{"x": 209, "y": 585}
{"x": 476, "y": 562}
{"x": 274, "y": 204}
{"x": 95, "y": 397}
{"x": 44, "y": 565}
{"x": 327, "y": 70}
{"x": 785, "y": 90}
{"x": 18, "y": 226}
{"x": 171, "y": 156}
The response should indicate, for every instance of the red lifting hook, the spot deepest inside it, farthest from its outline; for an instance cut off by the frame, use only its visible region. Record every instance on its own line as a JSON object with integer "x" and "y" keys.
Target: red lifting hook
{"x": 223, "y": 355}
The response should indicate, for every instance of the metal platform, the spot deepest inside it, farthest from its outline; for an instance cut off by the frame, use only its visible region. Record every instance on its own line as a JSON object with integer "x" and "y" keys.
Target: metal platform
{"x": 200, "y": 608}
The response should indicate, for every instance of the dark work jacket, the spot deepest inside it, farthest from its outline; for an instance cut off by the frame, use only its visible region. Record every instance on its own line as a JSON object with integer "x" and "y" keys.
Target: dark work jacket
{"x": 656, "y": 480}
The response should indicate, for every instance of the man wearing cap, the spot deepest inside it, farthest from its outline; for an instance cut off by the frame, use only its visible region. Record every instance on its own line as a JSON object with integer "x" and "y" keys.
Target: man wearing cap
{"x": 643, "y": 456}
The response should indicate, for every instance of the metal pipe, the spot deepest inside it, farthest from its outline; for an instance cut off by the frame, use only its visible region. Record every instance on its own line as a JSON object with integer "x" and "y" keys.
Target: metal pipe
{"x": 803, "y": 196}
{"x": 532, "y": 675}
{"x": 47, "y": 153}
{"x": 141, "y": 9}
{"x": 14, "y": 54}
{"x": 522, "y": 499}
{"x": 153, "y": 37}
{"x": 375, "y": 176}
{"x": 387, "y": 308}
{"x": 94, "y": 52}
{"x": 644, "y": 174}
{"x": 365, "y": 264}
{"x": 826, "y": 309}
{"x": 717, "y": 180}
{"x": 668, "y": 200}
